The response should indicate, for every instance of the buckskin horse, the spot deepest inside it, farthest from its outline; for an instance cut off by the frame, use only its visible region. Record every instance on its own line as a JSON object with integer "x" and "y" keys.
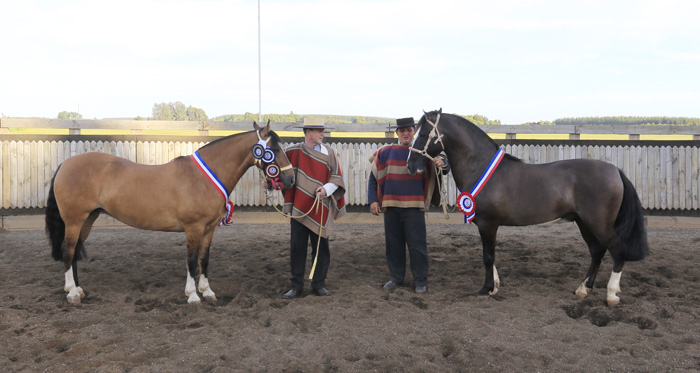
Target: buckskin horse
{"x": 187, "y": 194}
{"x": 506, "y": 191}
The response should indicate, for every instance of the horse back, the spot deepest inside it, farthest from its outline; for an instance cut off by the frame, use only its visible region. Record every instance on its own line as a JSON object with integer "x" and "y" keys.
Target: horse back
{"x": 524, "y": 194}
{"x": 143, "y": 196}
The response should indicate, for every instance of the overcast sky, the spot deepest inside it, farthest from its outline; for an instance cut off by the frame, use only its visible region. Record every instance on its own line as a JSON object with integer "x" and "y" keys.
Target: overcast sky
{"x": 513, "y": 60}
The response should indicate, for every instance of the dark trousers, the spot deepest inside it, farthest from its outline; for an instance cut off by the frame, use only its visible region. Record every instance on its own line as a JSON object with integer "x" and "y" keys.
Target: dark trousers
{"x": 299, "y": 243}
{"x": 406, "y": 227}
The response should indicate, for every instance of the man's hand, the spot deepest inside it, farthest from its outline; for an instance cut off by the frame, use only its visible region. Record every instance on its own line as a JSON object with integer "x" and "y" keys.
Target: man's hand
{"x": 321, "y": 191}
{"x": 374, "y": 208}
{"x": 265, "y": 185}
{"x": 437, "y": 161}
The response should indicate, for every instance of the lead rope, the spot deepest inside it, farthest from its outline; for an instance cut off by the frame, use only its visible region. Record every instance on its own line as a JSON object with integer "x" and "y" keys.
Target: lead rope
{"x": 317, "y": 203}
{"x": 440, "y": 180}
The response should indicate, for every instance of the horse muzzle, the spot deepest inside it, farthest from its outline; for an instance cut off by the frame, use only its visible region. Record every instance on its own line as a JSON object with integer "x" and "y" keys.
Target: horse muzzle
{"x": 276, "y": 184}
{"x": 281, "y": 182}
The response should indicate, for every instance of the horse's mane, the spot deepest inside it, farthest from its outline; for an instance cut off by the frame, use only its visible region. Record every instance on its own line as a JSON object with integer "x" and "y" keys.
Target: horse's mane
{"x": 274, "y": 139}
{"x": 462, "y": 121}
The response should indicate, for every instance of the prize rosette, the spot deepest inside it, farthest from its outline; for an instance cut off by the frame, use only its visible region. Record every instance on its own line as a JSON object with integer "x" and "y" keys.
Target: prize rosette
{"x": 272, "y": 171}
{"x": 258, "y": 151}
{"x": 466, "y": 205}
{"x": 268, "y": 156}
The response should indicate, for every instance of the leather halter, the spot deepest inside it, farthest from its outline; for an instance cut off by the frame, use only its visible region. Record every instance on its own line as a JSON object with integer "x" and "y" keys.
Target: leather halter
{"x": 434, "y": 134}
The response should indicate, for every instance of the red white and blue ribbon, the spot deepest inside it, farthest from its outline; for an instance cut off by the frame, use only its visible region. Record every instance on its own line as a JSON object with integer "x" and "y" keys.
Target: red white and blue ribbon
{"x": 218, "y": 184}
{"x": 465, "y": 200}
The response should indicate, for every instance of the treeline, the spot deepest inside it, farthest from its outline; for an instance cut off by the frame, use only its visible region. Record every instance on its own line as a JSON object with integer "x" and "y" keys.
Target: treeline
{"x": 644, "y": 121}
{"x": 295, "y": 118}
{"x": 177, "y": 111}
{"x": 480, "y": 119}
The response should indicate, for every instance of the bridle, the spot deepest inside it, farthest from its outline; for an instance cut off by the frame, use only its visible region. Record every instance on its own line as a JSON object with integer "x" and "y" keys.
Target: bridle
{"x": 259, "y": 162}
{"x": 434, "y": 134}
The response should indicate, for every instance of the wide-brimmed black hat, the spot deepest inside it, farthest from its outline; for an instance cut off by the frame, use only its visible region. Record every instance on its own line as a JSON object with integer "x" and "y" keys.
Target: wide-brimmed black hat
{"x": 403, "y": 122}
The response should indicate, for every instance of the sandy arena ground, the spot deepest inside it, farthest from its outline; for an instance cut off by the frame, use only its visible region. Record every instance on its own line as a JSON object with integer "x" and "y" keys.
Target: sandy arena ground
{"x": 135, "y": 316}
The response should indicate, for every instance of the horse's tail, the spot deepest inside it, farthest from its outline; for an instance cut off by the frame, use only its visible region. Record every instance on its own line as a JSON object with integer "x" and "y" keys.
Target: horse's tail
{"x": 55, "y": 227}
{"x": 629, "y": 224}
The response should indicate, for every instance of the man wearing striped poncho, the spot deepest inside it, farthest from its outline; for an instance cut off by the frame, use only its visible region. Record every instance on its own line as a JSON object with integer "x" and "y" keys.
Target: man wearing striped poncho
{"x": 317, "y": 172}
{"x": 403, "y": 198}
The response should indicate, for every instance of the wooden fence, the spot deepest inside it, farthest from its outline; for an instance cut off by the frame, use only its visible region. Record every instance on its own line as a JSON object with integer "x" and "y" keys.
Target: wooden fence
{"x": 666, "y": 177}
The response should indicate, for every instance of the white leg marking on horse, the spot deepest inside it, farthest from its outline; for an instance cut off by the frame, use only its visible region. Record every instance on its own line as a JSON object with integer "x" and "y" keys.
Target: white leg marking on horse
{"x": 191, "y": 290}
{"x": 496, "y": 279}
{"x": 70, "y": 284}
{"x": 582, "y": 290}
{"x": 614, "y": 288}
{"x": 75, "y": 293}
{"x": 204, "y": 288}
{"x": 496, "y": 282}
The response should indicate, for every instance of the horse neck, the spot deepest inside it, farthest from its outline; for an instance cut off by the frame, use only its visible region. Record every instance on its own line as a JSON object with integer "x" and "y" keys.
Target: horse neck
{"x": 469, "y": 151}
{"x": 230, "y": 158}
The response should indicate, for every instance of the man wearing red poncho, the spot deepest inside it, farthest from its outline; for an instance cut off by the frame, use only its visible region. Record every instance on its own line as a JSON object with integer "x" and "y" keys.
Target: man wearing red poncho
{"x": 317, "y": 172}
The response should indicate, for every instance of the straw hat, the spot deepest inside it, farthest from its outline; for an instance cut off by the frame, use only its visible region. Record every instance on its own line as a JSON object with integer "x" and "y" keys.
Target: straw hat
{"x": 314, "y": 123}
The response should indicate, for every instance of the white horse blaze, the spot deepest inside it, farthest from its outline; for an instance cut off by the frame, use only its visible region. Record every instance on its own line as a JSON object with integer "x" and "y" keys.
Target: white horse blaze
{"x": 204, "y": 288}
{"x": 191, "y": 290}
{"x": 614, "y": 288}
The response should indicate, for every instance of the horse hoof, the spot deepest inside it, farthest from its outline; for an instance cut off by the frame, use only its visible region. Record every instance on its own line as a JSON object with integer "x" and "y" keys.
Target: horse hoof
{"x": 582, "y": 291}
{"x": 494, "y": 291}
{"x": 486, "y": 291}
{"x": 209, "y": 295}
{"x": 194, "y": 299}
{"x": 613, "y": 301}
{"x": 75, "y": 299}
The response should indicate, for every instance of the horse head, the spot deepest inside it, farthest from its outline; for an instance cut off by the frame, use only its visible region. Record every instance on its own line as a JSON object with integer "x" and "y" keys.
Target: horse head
{"x": 428, "y": 142}
{"x": 279, "y": 173}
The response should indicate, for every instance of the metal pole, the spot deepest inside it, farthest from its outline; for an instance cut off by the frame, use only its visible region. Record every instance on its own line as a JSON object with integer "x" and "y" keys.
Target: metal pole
{"x": 259, "y": 72}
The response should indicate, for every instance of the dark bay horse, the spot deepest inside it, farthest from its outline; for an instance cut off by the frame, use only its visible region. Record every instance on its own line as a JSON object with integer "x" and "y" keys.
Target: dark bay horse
{"x": 177, "y": 196}
{"x": 594, "y": 194}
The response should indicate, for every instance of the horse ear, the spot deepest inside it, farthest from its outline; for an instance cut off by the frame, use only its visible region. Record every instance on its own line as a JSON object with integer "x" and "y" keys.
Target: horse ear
{"x": 440, "y": 111}
{"x": 255, "y": 125}
{"x": 267, "y": 127}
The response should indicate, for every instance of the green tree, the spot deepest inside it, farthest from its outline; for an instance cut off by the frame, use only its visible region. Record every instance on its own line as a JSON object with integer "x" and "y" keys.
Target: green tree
{"x": 541, "y": 123}
{"x": 194, "y": 113}
{"x": 480, "y": 119}
{"x": 178, "y": 111}
{"x": 619, "y": 120}
{"x": 163, "y": 111}
{"x": 69, "y": 115}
